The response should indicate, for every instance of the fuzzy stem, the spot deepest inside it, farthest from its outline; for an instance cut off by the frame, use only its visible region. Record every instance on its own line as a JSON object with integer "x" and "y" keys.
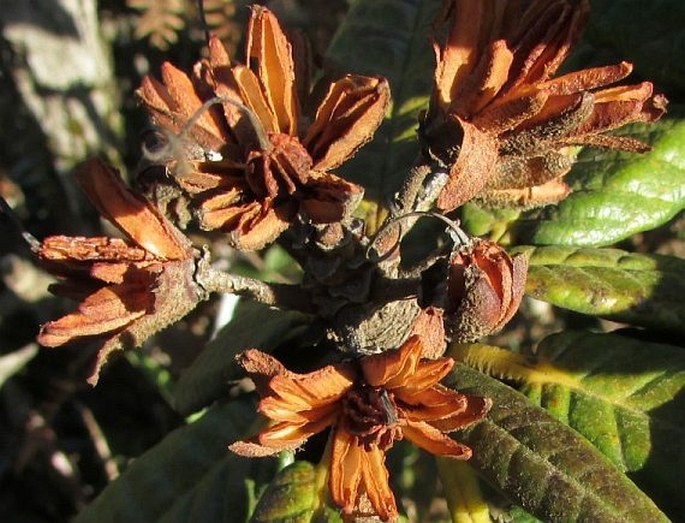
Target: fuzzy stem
{"x": 279, "y": 295}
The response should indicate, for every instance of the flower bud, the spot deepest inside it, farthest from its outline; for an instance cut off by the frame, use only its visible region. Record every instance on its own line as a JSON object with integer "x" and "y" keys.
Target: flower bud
{"x": 484, "y": 289}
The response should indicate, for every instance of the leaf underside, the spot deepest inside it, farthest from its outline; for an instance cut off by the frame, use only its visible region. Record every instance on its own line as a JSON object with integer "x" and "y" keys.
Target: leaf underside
{"x": 543, "y": 465}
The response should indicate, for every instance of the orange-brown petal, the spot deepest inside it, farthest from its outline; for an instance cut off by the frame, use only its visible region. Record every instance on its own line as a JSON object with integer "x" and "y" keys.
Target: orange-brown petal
{"x": 100, "y": 248}
{"x": 270, "y": 57}
{"x": 106, "y": 310}
{"x": 375, "y": 483}
{"x": 305, "y": 391}
{"x": 346, "y": 119}
{"x": 133, "y": 215}
{"x": 393, "y": 366}
{"x": 432, "y": 440}
{"x": 327, "y": 198}
{"x": 474, "y": 410}
{"x": 472, "y": 170}
{"x": 345, "y": 470}
{"x": 291, "y": 435}
{"x": 587, "y": 79}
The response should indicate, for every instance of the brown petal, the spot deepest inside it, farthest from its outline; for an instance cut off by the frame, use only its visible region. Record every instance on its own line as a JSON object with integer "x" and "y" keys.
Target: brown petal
{"x": 188, "y": 102}
{"x": 346, "y": 119}
{"x": 252, "y": 225}
{"x": 434, "y": 441}
{"x": 548, "y": 31}
{"x": 475, "y": 409}
{"x": 587, "y": 79}
{"x": 375, "y": 481}
{"x": 459, "y": 55}
{"x": 429, "y": 325}
{"x": 174, "y": 295}
{"x": 106, "y": 310}
{"x": 306, "y": 391}
{"x": 474, "y": 166}
{"x": 327, "y": 198}
{"x": 253, "y": 97}
{"x": 426, "y": 375}
{"x": 79, "y": 248}
{"x": 288, "y": 435}
{"x": 345, "y": 470}
{"x": 393, "y": 366}
{"x": 270, "y": 57}
{"x": 252, "y": 449}
{"x": 133, "y": 215}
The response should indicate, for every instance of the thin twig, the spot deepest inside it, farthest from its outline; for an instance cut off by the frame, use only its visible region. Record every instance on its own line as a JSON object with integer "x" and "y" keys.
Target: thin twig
{"x": 280, "y": 295}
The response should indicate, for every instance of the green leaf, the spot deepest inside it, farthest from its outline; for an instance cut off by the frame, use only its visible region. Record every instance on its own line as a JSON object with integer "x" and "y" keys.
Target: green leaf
{"x": 625, "y": 396}
{"x": 492, "y": 224}
{"x": 641, "y": 289}
{"x": 293, "y": 496}
{"x": 462, "y": 492}
{"x": 391, "y": 39}
{"x": 189, "y": 476}
{"x": 254, "y": 325}
{"x": 615, "y": 194}
{"x": 542, "y": 464}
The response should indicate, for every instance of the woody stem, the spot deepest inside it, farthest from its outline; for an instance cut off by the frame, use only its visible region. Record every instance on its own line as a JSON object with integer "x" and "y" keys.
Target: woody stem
{"x": 283, "y": 296}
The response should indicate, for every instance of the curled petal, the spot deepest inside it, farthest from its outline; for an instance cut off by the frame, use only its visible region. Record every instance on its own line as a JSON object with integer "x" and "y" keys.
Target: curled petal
{"x": 356, "y": 473}
{"x": 253, "y": 449}
{"x": 393, "y": 367}
{"x": 306, "y": 391}
{"x": 102, "y": 249}
{"x": 106, "y": 310}
{"x": 346, "y": 119}
{"x": 133, "y": 215}
{"x": 326, "y": 198}
{"x": 472, "y": 170}
{"x": 289, "y": 435}
{"x": 271, "y": 60}
{"x": 474, "y": 410}
{"x": 434, "y": 441}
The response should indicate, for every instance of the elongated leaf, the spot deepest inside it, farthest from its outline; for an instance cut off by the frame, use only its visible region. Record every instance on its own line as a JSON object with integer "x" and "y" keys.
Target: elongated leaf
{"x": 391, "y": 39}
{"x": 253, "y": 326}
{"x": 615, "y": 194}
{"x": 189, "y": 472}
{"x": 641, "y": 289}
{"x": 626, "y": 397}
{"x": 493, "y": 224}
{"x": 542, "y": 464}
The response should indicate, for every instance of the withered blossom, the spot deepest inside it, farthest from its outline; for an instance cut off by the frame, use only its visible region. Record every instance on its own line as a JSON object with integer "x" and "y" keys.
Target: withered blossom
{"x": 370, "y": 403}
{"x": 485, "y": 286}
{"x": 498, "y": 117}
{"x": 128, "y": 289}
{"x": 271, "y": 161}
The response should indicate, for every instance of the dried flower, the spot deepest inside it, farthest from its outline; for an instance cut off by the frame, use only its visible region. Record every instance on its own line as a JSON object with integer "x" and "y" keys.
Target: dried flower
{"x": 484, "y": 289}
{"x": 274, "y": 160}
{"x": 128, "y": 289}
{"x": 370, "y": 404}
{"x": 495, "y": 95}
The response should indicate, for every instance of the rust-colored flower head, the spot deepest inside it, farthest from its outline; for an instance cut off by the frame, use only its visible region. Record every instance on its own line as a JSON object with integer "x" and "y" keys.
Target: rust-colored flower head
{"x": 269, "y": 161}
{"x": 500, "y": 120}
{"x": 370, "y": 404}
{"x": 128, "y": 289}
{"x": 484, "y": 289}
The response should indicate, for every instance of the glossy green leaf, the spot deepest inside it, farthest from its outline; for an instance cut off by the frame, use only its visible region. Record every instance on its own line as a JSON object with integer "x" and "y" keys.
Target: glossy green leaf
{"x": 615, "y": 194}
{"x": 188, "y": 476}
{"x": 641, "y": 289}
{"x": 542, "y": 464}
{"x": 254, "y": 325}
{"x": 391, "y": 39}
{"x": 625, "y": 396}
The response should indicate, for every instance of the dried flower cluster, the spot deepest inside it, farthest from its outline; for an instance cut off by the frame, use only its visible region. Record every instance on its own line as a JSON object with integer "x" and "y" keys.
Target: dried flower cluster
{"x": 242, "y": 155}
